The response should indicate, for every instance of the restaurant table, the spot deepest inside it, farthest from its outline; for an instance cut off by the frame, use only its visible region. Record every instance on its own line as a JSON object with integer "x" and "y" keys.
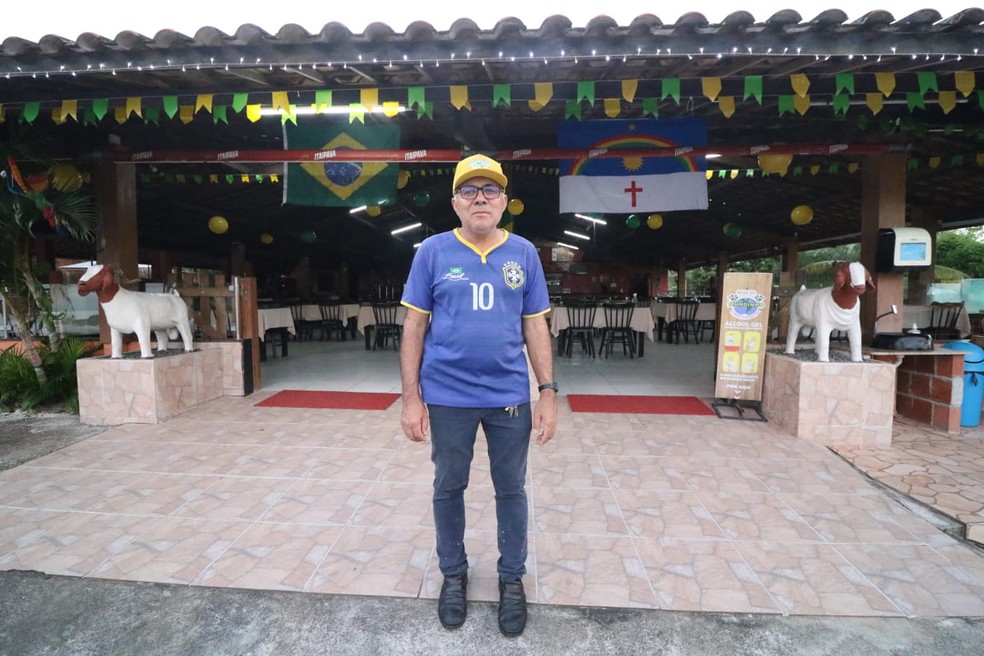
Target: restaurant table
{"x": 348, "y": 311}
{"x": 367, "y": 319}
{"x": 664, "y": 313}
{"x": 642, "y": 323}
{"x": 278, "y": 319}
{"x": 921, "y": 315}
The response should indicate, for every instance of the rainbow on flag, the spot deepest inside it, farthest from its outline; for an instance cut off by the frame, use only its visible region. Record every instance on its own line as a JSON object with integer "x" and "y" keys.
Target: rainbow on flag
{"x": 623, "y": 185}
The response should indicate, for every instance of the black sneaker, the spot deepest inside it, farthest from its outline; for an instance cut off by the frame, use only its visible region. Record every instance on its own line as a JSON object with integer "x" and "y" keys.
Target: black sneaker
{"x": 451, "y": 608}
{"x": 512, "y": 608}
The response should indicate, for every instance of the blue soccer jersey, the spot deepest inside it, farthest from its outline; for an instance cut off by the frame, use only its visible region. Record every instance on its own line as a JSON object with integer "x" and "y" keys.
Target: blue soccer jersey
{"x": 473, "y": 352}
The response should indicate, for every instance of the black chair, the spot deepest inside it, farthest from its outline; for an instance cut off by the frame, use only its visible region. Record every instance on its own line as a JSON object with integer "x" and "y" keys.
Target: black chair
{"x": 943, "y": 321}
{"x": 618, "y": 328}
{"x": 386, "y": 325}
{"x": 685, "y": 322}
{"x": 580, "y": 318}
{"x": 331, "y": 321}
{"x": 302, "y": 329}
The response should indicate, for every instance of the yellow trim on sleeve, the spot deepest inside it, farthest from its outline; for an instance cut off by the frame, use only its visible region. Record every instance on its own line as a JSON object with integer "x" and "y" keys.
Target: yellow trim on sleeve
{"x": 413, "y": 307}
{"x": 538, "y": 314}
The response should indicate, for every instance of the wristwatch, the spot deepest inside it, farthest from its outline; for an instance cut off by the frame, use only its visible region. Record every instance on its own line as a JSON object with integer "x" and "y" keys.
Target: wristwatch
{"x": 549, "y": 386}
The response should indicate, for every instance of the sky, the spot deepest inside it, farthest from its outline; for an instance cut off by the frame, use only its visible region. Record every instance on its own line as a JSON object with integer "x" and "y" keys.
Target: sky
{"x": 70, "y": 18}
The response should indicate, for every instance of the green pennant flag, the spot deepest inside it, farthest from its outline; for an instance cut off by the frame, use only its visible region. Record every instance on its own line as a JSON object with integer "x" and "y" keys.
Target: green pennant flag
{"x": 198, "y": 178}
{"x": 834, "y": 168}
{"x": 415, "y": 97}
{"x": 841, "y": 103}
{"x": 230, "y": 178}
{"x": 911, "y": 164}
{"x": 844, "y": 81}
{"x": 239, "y": 101}
{"x": 671, "y": 88}
{"x": 502, "y": 95}
{"x": 169, "y": 178}
{"x": 258, "y": 177}
{"x": 290, "y": 116}
{"x": 957, "y": 160}
{"x": 650, "y": 107}
{"x": 99, "y": 107}
{"x": 220, "y": 114}
{"x": 426, "y": 108}
{"x": 585, "y": 91}
{"x": 31, "y": 111}
{"x": 723, "y": 173}
{"x": 152, "y": 115}
{"x": 572, "y": 109}
{"x": 927, "y": 82}
{"x": 753, "y": 88}
{"x": 786, "y": 105}
{"x": 331, "y": 183}
{"x": 915, "y": 100}
{"x": 89, "y": 117}
{"x": 980, "y": 99}
{"x": 797, "y": 170}
{"x": 322, "y": 98}
{"x": 749, "y": 173}
{"x": 170, "y": 105}
{"x": 144, "y": 178}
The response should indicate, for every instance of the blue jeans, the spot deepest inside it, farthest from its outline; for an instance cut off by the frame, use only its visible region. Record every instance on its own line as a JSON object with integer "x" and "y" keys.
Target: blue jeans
{"x": 453, "y": 433}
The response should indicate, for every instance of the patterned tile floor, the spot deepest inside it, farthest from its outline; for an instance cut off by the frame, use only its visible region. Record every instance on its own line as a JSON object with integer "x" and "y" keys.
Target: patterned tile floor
{"x": 670, "y": 512}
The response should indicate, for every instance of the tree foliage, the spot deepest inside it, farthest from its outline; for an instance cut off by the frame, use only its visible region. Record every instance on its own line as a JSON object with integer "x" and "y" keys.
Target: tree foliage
{"x": 961, "y": 250}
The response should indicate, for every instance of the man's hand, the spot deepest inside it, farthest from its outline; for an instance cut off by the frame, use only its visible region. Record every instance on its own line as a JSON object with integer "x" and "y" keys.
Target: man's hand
{"x": 545, "y": 417}
{"x": 414, "y": 420}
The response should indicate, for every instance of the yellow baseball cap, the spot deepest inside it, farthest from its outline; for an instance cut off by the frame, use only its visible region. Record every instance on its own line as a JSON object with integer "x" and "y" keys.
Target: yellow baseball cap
{"x": 478, "y": 166}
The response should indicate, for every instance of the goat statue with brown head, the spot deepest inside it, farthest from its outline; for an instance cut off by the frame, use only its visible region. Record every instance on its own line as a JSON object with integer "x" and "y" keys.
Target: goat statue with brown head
{"x": 137, "y": 312}
{"x": 831, "y": 308}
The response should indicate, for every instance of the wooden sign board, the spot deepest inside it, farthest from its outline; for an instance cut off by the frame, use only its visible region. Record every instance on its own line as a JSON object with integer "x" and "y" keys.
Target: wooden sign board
{"x": 743, "y": 323}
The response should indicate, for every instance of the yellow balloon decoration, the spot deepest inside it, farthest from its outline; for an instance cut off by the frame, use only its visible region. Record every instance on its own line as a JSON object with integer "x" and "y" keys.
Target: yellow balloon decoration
{"x": 218, "y": 225}
{"x": 402, "y": 178}
{"x": 66, "y": 177}
{"x": 775, "y": 163}
{"x": 655, "y": 221}
{"x": 801, "y": 215}
{"x": 515, "y": 207}
{"x": 373, "y": 210}
{"x": 266, "y": 238}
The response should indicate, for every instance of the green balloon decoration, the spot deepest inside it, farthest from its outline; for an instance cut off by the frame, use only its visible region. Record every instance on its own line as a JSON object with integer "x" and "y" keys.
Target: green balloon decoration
{"x": 309, "y": 236}
{"x": 422, "y": 198}
{"x": 633, "y": 221}
{"x": 732, "y": 230}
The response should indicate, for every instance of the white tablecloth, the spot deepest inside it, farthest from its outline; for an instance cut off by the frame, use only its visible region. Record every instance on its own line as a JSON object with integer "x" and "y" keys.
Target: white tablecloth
{"x": 367, "y": 318}
{"x": 668, "y": 311}
{"x": 642, "y": 321}
{"x": 921, "y": 315}
{"x": 312, "y": 312}
{"x": 274, "y": 318}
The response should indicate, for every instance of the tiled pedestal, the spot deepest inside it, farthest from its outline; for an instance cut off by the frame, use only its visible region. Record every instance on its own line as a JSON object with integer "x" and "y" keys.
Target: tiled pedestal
{"x": 830, "y": 402}
{"x": 134, "y": 390}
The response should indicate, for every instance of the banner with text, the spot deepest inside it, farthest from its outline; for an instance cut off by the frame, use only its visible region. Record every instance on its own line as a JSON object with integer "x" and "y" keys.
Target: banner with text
{"x": 743, "y": 324}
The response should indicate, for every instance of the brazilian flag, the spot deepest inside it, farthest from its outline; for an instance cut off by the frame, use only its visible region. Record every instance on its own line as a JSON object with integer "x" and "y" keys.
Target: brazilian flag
{"x": 331, "y": 183}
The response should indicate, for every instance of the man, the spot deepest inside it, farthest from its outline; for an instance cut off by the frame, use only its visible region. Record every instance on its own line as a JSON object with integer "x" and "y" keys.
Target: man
{"x": 475, "y": 296}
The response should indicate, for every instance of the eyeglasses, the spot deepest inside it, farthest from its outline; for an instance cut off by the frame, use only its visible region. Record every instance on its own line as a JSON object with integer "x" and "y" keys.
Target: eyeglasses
{"x": 470, "y": 192}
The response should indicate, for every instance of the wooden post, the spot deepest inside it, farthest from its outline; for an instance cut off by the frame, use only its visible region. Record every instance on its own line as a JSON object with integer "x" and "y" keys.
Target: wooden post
{"x": 248, "y": 328}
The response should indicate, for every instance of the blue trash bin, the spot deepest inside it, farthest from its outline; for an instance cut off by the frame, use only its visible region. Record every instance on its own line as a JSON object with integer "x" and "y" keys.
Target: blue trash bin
{"x": 973, "y": 388}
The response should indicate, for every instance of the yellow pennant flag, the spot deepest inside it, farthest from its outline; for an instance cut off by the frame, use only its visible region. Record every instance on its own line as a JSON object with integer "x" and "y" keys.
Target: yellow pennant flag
{"x": 369, "y": 98}
{"x": 70, "y": 108}
{"x": 57, "y": 116}
{"x": 814, "y": 169}
{"x": 980, "y": 159}
{"x": 875, "y": 102}
{"x": 543, "y": 93}
{"x": 204, "y": 100}
{"x": 120, "y": 115}
{"x": 280, "y": 101}
{"x": 186, "y": 113}
{"x": 800, "y": 84}
{"x": 934, "y": 162}
{"x": 802, "y": 104}
{"x": 711, "y": 86}
{"x": 948, "y": 100}
{"x": 459, "y": 97}
{"x": 727, "y": 105}
{"x": 964, "y": 81}
{"x": 629, "y": 88}
{"x": 244, "y": 179}
{"x": 3, "y": 113}
{"x": 613, "y": 107}
{"x": 274, "y": 178}
{"x": 733, "y": 174}
{"x": 709, "y": 174}
{"x": 853, "y": 167}
{"x": 885, "y": 83}
{"x": 254, "y": 113}
{"x": 180, "y": 178}
{"x": 535, "y": 105}
{"x": 133, "y": 105}
{"x": 213, "y": 178}
{"x": 391, "y": 108}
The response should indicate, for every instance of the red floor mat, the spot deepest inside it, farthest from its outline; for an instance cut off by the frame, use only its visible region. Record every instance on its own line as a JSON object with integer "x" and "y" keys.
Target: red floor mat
{"x": 653, "y": 405}
{"x": 334, "y": 400}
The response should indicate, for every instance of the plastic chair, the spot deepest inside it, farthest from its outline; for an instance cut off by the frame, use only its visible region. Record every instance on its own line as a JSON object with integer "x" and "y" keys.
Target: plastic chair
{"x": 943, "y": 321}
{"x": 580, "y": 317}
{"x": 618, "y": 328}
{"x": 331, "y": 320}
{"x": 685, "y": 322}
{"x": 386, "y": 325}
